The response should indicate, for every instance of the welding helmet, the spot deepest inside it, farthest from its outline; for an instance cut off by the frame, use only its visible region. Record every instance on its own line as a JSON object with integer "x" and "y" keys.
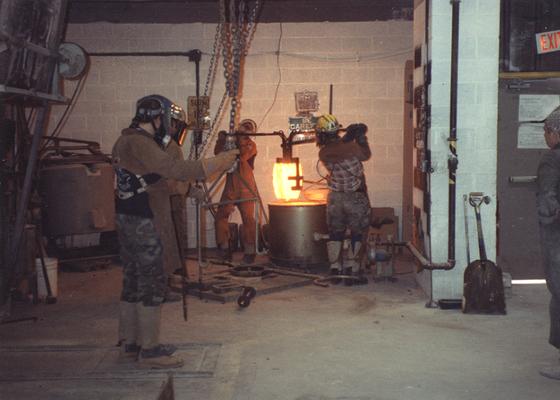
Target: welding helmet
{"x": 150, "y": 107}
{"x": 326, "y": 129}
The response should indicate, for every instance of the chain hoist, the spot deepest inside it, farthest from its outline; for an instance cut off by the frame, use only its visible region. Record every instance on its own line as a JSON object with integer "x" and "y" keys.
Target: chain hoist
{"x": 212, "y": 68}
{"x": 233, "y": 36}
{"x": 208, "y": 88}
{"x": 236, "y": 38}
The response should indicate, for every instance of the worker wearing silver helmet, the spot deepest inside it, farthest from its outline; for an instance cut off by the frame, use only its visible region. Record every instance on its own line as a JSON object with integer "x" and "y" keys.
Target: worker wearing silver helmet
{"x": 347, "y": 202}
{"x": 548, "y": 209}
{"x": 140, "y": 160}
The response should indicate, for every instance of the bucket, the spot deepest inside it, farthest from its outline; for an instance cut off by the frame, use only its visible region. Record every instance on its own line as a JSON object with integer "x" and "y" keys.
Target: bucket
{"x": 51, "y": 265}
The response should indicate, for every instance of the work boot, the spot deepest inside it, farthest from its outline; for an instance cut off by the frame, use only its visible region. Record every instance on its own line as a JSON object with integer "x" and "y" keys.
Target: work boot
{"x": 361, "y": 279}
{"x": 224, "y": 254}
{"x": 348, "y": 281}
{"x": 351, "y": 259}
{"x": 334, "y": 272}
{"x": 552, "y": 372}
{"x": 161, "y": 349}
{"x": 128, "y": 352}
{"x": 333, "y": 253}
{"x": 153, "y": 354}
{"x": 171, "y": 297}
{"x": 128, "y": 332}
{"x": 248, "y": 259}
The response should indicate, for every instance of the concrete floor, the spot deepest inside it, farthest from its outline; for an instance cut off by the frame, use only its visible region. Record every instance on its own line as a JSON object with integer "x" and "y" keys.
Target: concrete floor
{"x": 310, "y": 343}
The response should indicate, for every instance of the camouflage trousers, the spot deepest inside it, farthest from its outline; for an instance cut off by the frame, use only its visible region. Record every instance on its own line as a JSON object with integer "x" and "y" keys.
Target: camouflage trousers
{"x": 347, "y": 210}
{"x": 550, "y": 244}
{"x": 141, "y": 254}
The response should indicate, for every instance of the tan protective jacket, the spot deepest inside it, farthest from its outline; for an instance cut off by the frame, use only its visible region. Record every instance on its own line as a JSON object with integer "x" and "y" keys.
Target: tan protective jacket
{"x": 166, "y": 218}
{"x": 137, "y": 152}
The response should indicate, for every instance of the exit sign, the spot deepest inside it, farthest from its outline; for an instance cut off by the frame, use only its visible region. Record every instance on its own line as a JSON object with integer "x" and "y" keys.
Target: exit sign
{"x": 547, "y": 42}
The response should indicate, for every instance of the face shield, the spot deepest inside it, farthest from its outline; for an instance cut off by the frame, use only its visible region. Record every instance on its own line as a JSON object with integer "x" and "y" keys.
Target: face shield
{"x": 178, "y": 118}
{"x": 172, "y": 118}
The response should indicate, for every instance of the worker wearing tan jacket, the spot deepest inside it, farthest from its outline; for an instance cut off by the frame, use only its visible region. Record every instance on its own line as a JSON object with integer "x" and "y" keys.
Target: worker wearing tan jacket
{"x": 140, "y": 160}
{"x": 165, "y": 195}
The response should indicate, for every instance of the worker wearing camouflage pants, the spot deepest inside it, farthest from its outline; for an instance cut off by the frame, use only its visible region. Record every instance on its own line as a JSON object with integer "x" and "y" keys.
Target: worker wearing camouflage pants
{"x": 548, "y": 208}
{"x": 140, "y": 160}
{"x": 347, "y": 202}
{"x": 141, "y": 254}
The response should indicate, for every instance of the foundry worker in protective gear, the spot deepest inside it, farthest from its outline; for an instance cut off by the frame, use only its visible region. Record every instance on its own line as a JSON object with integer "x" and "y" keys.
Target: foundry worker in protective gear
{"x": 548, "y": 209}
{"x": 239, "y": 185}
{"x": 167, "y": 201}
{"x": 140, "y": 160}
{"x": 347, "y": 202}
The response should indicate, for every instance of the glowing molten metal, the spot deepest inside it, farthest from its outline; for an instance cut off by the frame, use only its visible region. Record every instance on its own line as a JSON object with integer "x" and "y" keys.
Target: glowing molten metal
{"x": 283, "y": 185}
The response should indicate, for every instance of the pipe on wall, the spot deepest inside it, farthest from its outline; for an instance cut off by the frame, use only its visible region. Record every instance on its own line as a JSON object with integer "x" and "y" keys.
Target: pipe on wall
{"x": 452, "y": 161}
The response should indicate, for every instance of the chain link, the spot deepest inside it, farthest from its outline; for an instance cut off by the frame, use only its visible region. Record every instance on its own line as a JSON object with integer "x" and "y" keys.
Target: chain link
{"x": 215, "y": 123}
{"x": 212, "y": 68}
{"x": 236, "y": 31}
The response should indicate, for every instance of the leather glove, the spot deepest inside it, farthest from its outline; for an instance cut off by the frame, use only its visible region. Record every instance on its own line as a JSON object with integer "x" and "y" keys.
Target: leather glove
{"x": 222, "y": 162}
{"x": 355, "y": 132}
{"x": 196, "y": 193}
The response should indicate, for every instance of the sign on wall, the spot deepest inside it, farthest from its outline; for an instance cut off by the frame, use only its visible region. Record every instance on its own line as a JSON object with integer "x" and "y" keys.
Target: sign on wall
{"x": 547, "y": 42}
{"x": 533, "y": 109}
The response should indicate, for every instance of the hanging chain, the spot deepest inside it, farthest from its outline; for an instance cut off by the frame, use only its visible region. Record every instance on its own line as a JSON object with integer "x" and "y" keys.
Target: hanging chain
{"x": 208, "y": 88}
{"x": 226, "y": 46}
{"x": 242, "y": 33}
{"x": 251, "y": 25}
{"x": 236, "y": 30}
{"x": 212, "y": 68}
{"x": 213, "y": 127}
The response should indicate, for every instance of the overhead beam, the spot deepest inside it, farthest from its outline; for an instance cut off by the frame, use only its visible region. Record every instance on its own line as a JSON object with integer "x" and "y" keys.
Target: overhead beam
{"x": 175, "y": 11}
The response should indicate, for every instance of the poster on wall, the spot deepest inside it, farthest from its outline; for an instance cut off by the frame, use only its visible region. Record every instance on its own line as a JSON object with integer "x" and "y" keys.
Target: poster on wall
{"x": 533, "y": 109}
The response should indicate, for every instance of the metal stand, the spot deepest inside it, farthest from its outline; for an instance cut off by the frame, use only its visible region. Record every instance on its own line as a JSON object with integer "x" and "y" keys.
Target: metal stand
{"x": 8, "y": 276}
{"x": 210, "y": 205}
{"x": 385, "y": 262}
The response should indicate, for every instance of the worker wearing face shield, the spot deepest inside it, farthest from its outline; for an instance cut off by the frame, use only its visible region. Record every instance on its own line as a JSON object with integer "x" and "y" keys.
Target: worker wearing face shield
{"x": 348, "y": 205}
{"x": 167, "y": 201}
{"x": 140, "y": 159}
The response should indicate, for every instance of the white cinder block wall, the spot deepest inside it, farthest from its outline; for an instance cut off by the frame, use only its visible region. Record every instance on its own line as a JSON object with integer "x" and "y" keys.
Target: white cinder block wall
{"x": 363, "y": 60}
{"x": 476, "y": 132}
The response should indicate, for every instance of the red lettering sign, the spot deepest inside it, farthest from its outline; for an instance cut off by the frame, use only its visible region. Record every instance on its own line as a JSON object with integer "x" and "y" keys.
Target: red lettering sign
{"x": 548, "y": 42}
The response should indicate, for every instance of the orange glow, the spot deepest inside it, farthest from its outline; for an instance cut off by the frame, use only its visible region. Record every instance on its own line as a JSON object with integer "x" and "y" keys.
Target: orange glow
{"x": 282, "y": 185}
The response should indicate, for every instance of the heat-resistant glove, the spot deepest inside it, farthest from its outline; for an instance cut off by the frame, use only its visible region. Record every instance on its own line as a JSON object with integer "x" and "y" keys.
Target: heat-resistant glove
{"x": 355, "y": 132}
{"x": 222, "y": 162}
{"x": 196, "y": 193}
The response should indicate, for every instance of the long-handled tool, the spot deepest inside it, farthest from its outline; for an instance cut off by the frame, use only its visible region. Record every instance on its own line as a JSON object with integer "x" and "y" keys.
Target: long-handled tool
{"x": 466, "y": 229}
{"x": 184, "y": 272}
{"x": 483, "y": 288}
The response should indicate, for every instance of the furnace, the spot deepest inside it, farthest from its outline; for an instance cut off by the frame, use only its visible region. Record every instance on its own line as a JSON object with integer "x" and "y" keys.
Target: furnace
{"x": 291, "y": 241}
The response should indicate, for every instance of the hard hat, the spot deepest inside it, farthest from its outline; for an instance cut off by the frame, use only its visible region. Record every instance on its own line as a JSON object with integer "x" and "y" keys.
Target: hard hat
{"x": 327, "y": 123}
{"x": 248, "y": 126}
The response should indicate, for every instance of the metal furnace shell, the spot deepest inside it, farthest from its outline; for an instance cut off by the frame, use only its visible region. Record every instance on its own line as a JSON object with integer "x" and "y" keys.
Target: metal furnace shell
{"x": 292, "y": 225}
